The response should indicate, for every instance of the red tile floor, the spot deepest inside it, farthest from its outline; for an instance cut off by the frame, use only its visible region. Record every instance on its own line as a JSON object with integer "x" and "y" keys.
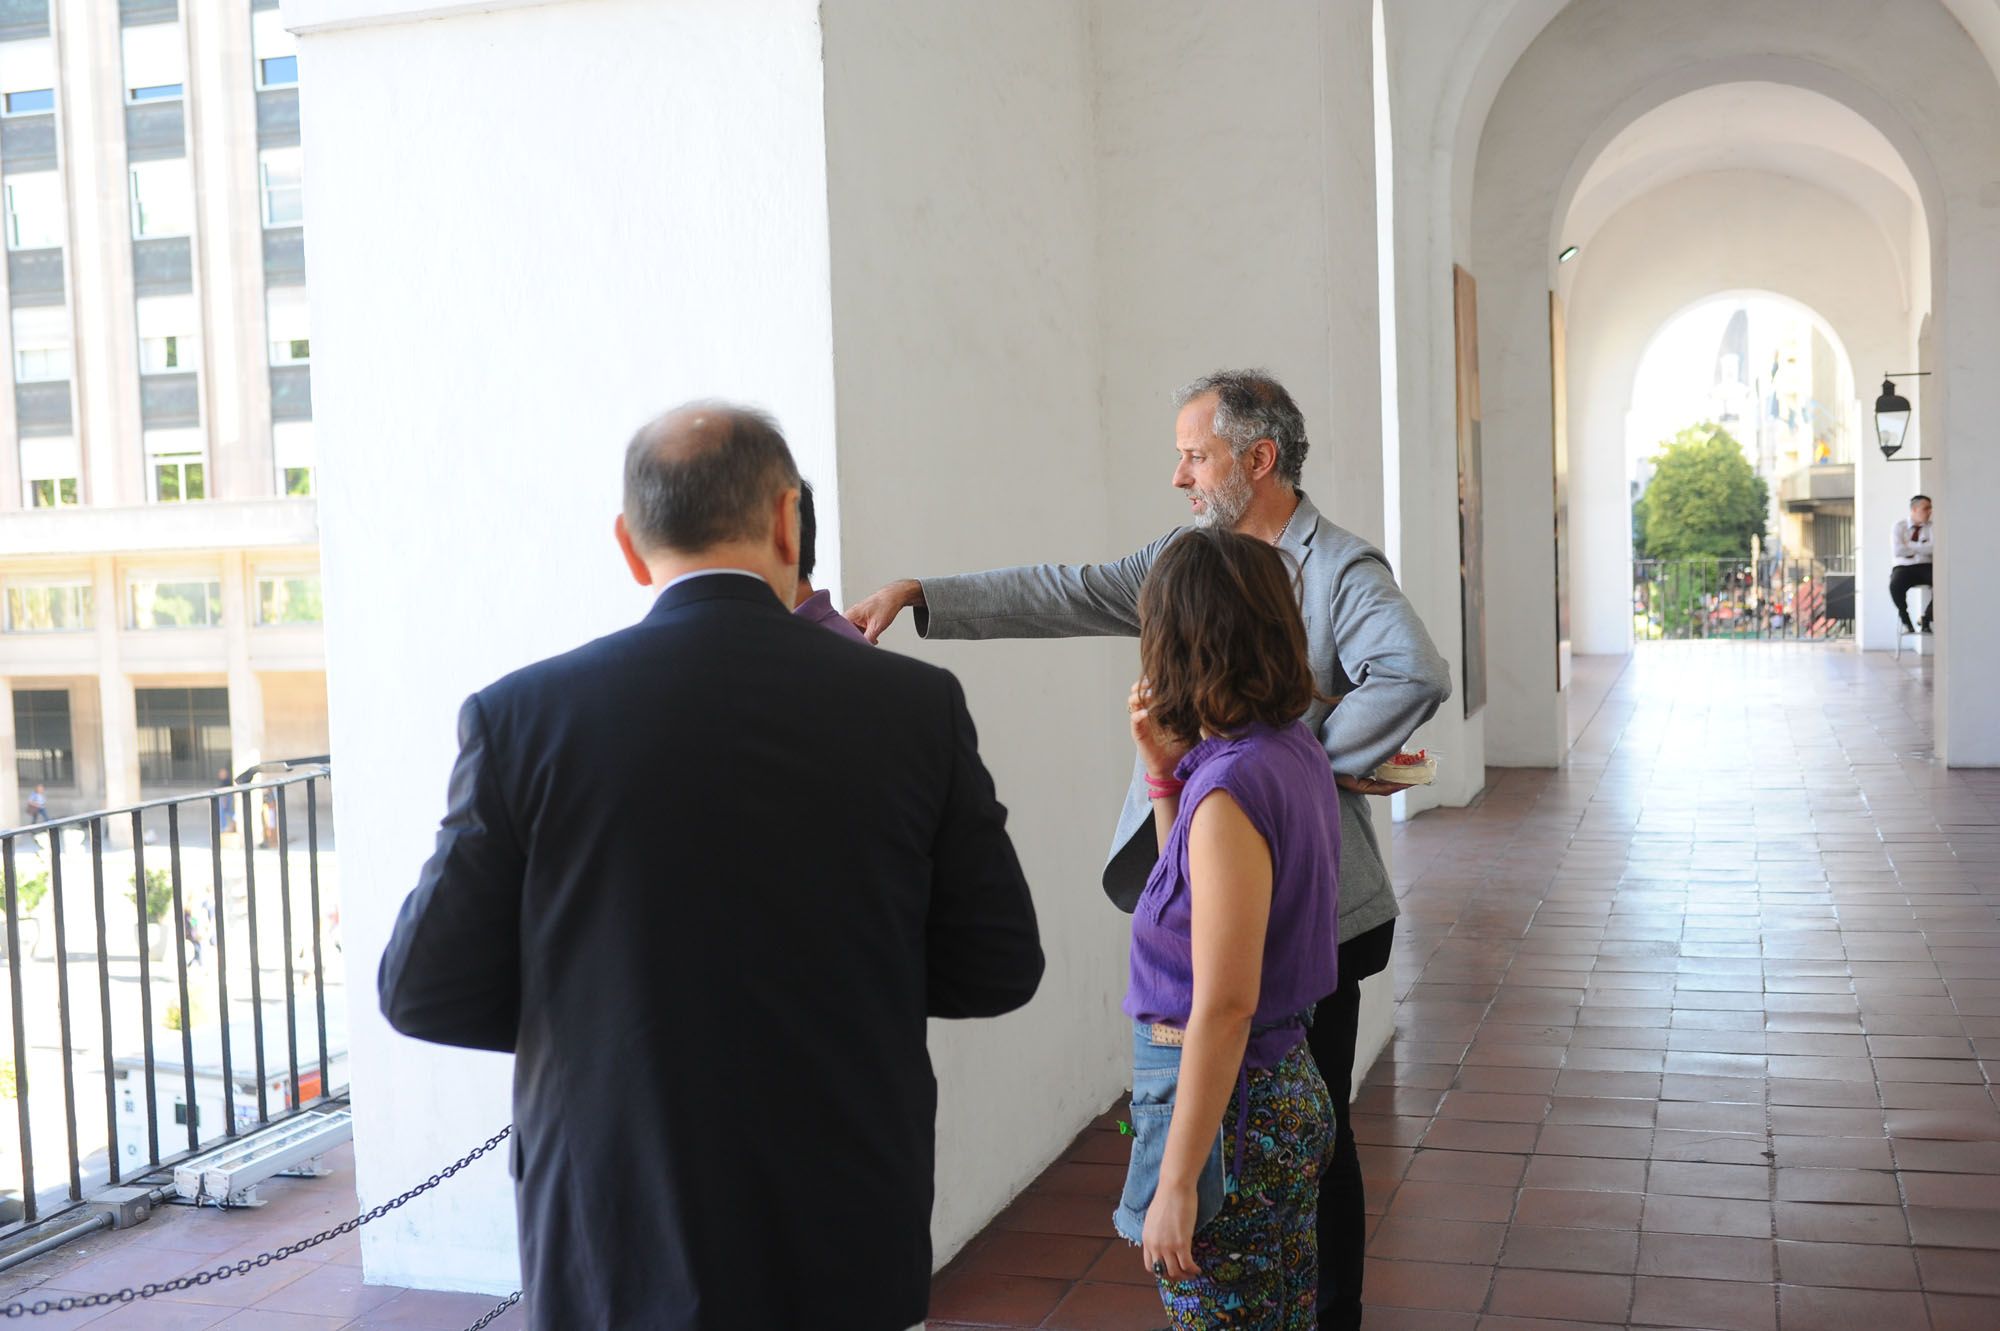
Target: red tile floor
{"x": 1697, "y": 1031}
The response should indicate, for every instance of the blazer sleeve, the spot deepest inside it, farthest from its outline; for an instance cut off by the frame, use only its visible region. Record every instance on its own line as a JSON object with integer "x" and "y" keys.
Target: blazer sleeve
{"x": 452, "y": 970}
{"x": 1040, "y": 600}
{"x": 984, "y": 950}
{"x": 1399, "y": 677}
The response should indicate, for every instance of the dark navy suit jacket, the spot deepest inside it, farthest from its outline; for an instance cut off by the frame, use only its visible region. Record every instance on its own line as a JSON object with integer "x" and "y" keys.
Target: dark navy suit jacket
{"x": 706, "y": 878}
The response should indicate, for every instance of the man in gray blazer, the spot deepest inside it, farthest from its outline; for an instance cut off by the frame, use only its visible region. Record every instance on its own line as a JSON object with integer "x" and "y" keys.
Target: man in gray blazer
{"x": 1242, "y": 445}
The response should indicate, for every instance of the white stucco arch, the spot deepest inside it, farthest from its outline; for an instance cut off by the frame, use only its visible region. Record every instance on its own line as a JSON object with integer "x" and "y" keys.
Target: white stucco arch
{"x": 1917, "y": 78}
{"x": 1664, "y": 254}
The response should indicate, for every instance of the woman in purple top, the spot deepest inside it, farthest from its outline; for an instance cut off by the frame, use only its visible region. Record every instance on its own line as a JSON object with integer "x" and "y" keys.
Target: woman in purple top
{"x": 1233, "y": 942}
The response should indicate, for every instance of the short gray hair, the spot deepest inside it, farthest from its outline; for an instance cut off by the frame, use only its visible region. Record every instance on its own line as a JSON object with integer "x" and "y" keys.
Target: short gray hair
{"x": 702, "y": 474}
{"x": 1251, "y": 405}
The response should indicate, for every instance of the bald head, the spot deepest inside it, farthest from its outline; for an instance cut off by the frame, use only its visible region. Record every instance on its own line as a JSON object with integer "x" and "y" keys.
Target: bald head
{"x": 704, "y": 475}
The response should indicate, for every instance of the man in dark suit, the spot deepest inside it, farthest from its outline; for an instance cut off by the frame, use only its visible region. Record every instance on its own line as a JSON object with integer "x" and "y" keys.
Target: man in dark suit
{"x": 705, "y": 878}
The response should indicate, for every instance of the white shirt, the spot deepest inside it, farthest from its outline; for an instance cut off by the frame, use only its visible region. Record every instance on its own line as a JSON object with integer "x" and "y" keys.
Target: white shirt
{"x": 746, "y": 573}
{"x": 1913, "y": 546}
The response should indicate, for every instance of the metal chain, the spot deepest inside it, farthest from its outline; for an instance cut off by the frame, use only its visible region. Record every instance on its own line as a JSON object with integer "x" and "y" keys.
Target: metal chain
{"x": 70, "y": 1303}
{"x": 505, "y": 1304}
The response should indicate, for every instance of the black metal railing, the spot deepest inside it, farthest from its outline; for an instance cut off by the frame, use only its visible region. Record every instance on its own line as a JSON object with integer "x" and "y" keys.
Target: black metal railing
{"x": 1769, "y": 600}
{"x": 201, "y": 927}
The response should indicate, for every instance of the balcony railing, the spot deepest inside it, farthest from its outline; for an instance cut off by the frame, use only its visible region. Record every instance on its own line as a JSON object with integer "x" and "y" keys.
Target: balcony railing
{"x": 166, "y": 988}
{"x": 1771, "y": 600}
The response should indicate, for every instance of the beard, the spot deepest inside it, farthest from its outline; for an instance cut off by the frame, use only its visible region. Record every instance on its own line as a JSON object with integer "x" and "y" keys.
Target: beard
{"x": 1225, "y": 505}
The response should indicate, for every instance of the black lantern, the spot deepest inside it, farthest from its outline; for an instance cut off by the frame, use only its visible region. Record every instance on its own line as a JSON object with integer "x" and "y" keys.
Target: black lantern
{"x": 1892, "y": 418}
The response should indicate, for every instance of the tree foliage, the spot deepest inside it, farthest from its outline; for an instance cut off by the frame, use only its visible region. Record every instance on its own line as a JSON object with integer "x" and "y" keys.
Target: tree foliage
{"x": 1705, "y": 500}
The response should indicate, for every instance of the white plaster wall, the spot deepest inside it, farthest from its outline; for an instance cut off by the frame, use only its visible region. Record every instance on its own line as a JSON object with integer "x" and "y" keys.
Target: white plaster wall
{"x": 1912, "y": 73}
{"x": 1706, "y": 235}
{"x": 504, "y": 286}
{"x": 963, "y": 216}
{"x": 1237, "y": 227}
{"x": 1433, "y": 48}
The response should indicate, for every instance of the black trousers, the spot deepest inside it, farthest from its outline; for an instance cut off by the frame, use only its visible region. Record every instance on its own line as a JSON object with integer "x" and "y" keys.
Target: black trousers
{"x": 1343, "y": 1212}
{"x": 1903, "y": 577}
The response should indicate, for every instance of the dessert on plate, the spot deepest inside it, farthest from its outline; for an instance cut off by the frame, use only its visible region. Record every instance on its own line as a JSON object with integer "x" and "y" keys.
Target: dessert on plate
{"x": 1409, "y": 769}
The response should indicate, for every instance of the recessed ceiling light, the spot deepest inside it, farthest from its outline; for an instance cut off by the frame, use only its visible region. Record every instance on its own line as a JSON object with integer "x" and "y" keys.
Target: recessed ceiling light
{"x": 1566, "y": 255}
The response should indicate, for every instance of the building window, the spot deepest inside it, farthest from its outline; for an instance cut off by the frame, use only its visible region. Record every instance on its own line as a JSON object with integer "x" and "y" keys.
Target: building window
{"x": 275, "y": 50}
{"x": 292, "y": 447}
{"x": 50, "y": 607}
{"x": 27, "y": 76}
{"x": 168, "y": 340}
{"x": 41, "y": 344}
{"x": 179, "y": 476}
{"x": 34, "y": 210}
{"x": 288, "y": 325}
{"x": 176, "y": 461}
{"x": 44, "y": 748}
{"x": 176, "y": 603}
{"x": 53, "y": 493}
{"x": 162, "y": 199}
{"x": 288, "y": 598}
{"x": 183, "y": 735}
{"x": 155, "y": 62}
{"x": 283, "y": 175}
{"x": 51, "y": 468}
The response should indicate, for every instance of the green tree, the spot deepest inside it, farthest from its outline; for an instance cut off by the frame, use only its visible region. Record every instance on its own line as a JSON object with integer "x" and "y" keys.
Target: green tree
{"x": 1704, "y": 501}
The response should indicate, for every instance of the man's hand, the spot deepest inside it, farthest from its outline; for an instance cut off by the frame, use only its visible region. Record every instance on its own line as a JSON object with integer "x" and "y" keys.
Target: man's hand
{"x": 1368, "y": 785}
{"x": 873, "y": 614}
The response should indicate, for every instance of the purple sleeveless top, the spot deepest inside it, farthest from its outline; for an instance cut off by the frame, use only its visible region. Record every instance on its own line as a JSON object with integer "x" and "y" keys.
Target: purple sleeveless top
{"x": 1284, "y": 785}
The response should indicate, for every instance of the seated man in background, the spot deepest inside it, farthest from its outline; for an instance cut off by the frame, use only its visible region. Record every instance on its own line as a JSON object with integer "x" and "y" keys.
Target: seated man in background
{"x": 1912, "y": 562}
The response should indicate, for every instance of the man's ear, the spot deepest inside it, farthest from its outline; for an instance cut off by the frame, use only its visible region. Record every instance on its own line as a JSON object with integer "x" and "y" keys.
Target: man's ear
{"x": 1263, "y": 458}
{"x": 786, "y": 534}
{"x": 633, "y": 559}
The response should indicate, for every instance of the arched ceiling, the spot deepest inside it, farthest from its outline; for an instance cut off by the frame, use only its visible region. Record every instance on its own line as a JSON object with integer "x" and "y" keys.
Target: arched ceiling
{"x": 1771, "y": 128}
{"x": 1505, "y": 29}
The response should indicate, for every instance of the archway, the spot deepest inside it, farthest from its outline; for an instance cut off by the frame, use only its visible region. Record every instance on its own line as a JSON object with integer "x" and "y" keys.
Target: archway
{"x": 1775, "y": 375}
{"x": 1592, "y": 73}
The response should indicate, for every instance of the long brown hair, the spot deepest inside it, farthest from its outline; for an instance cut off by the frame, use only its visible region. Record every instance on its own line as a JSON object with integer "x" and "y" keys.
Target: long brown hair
{"x": 1220, "y": 638}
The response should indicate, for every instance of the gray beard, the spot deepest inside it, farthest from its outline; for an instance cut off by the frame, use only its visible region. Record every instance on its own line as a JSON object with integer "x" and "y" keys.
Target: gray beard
{"x": 1224, "y": 507}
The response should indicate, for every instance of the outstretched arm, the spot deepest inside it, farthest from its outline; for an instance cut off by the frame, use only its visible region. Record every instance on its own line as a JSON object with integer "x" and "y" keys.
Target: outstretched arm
{"x": 1028, "y": 601}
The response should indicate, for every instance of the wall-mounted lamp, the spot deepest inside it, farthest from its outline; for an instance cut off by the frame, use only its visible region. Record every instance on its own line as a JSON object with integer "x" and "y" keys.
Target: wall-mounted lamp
{"x": 1892, "y": 416}
{"x": 1566, "y": 255}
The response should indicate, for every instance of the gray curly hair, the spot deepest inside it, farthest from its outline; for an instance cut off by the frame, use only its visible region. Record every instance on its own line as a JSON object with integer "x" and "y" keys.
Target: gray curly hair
{"x": 1251, "y": 405}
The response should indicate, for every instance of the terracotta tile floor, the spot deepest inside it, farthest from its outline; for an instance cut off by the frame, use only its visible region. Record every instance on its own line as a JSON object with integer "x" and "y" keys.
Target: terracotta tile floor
{"x": 1698, "y": 1031}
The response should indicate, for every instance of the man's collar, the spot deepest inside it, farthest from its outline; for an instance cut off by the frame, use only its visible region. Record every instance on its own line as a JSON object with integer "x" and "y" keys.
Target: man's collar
{"x": 695, "y": 587}
{"x": 1300, "y": 529}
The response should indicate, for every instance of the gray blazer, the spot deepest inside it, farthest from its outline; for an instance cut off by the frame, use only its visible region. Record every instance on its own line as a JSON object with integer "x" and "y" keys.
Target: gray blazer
{"x": 1368, "y": 649}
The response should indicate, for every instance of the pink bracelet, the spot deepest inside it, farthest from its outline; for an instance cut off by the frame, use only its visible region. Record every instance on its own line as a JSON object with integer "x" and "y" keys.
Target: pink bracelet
{"x": 1162, "y": 788}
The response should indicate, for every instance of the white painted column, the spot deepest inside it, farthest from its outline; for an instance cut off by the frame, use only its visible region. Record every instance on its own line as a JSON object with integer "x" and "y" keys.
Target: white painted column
{"x": 691, "y": 243}
{"x": 91, "y": 122}
{"x": 117, "y": 706}
{"x": 12, "y": 812}
{"x": 246, "y": 690}
{"x": 1967, "y": 485}
{"x": 229, "y": 260}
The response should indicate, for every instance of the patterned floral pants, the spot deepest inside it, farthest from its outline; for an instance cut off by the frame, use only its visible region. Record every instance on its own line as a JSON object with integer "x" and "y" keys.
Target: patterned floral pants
{"x": 1259, "y": 1257}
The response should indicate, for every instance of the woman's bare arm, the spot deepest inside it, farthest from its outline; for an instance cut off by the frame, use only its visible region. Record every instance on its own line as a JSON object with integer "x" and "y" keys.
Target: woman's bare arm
{"x": 1229, "y": 871}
